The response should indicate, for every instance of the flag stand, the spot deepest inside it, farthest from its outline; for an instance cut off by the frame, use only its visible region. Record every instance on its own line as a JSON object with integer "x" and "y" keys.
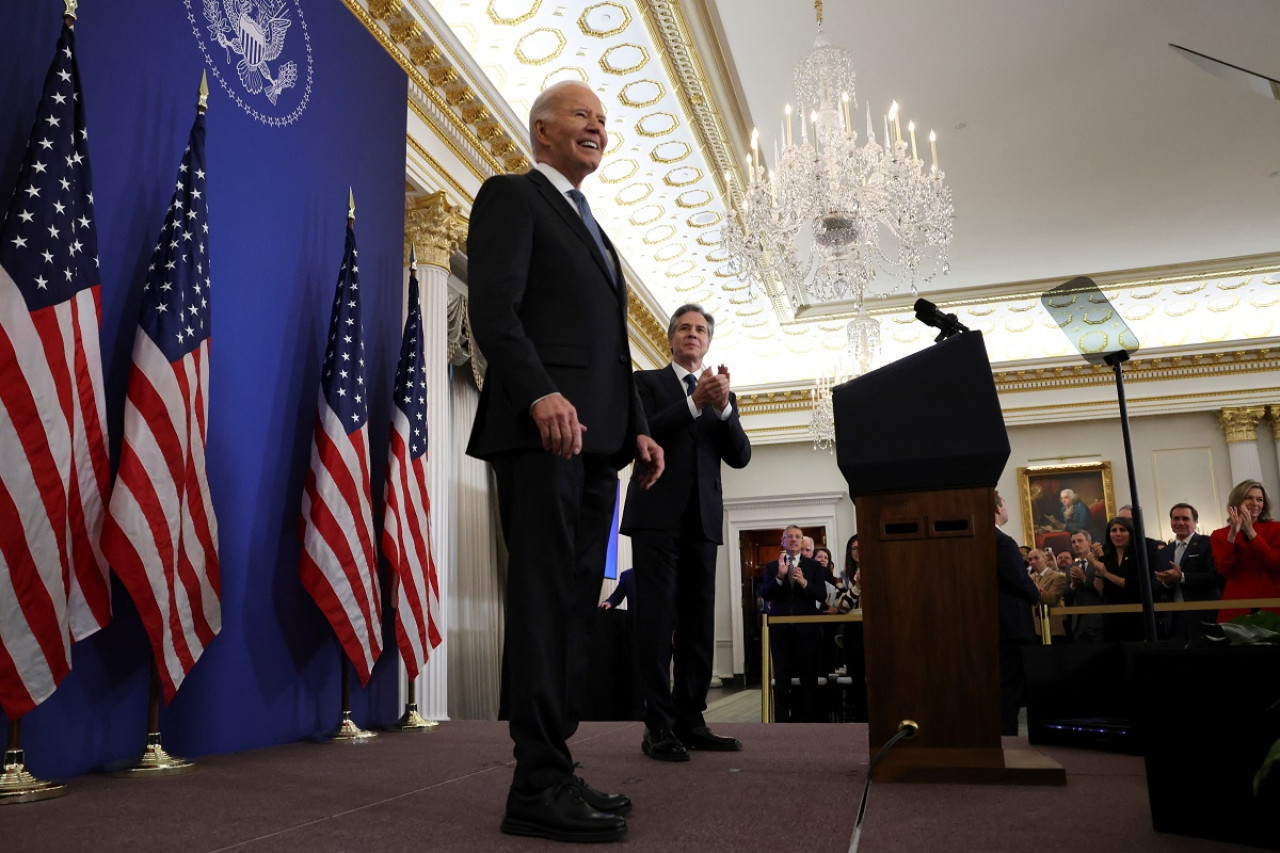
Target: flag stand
{"x": 154, "y": 761}
{"x": 16, "y": 784}
{"x": 348, "y": 732}
{"x": 411, "y": 720}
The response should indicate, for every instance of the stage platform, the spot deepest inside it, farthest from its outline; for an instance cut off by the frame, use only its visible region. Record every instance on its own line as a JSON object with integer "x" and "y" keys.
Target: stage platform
{"x": 794, "y": 787}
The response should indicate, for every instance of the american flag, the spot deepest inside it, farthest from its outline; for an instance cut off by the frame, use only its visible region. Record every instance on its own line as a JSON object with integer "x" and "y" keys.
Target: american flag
{"x": 161, "y": 536}
{"x": 406, "y": 522}
{"x": 338, "y": 565}
{"x": 54, "y": 469}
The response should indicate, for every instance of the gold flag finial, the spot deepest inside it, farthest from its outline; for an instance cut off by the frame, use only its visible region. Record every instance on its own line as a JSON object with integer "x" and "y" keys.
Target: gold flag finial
{"x": 202, "y": 103}
{"x": 413, "y": 258}
{"x": 817, "y": 8}
{"x": 351, "y": 205}
{"x": 70, "y": 14}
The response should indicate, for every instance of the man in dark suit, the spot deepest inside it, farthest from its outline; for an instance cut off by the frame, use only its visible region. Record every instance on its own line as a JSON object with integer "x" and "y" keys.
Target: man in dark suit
{"x": 557, "y": 418}
{"x": 795, "y": 585}
{"x": 675, "y": 528}
{"x": 1016, "y": 592}
{"x": 1185, "y": 569}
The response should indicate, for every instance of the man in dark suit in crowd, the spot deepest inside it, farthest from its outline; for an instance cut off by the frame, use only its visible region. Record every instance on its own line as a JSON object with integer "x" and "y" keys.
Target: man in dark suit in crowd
{"x": 794, "y": 585}
{"x": 558, "y": 417}
{"x": 1082, "y": 592}
{"x": 675, "y": 529}
{"x": 1185, "y": 569}
{"x": 1016, "y": 592}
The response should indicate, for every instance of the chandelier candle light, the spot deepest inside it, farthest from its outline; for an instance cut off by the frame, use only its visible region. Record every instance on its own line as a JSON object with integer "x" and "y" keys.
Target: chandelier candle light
{"x": 834, "y": 211}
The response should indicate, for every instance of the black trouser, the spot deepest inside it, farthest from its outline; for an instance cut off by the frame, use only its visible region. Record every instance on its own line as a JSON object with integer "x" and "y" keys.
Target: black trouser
{"x": 796, "y": 653}
{"x": 675, "y": 575}
{"x": 556, "y": 514}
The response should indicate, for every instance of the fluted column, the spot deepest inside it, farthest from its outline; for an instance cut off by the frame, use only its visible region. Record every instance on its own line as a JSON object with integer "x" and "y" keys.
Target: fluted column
{"x": 1240, "y": 426}
{"x": 1274, "y": 412}
{"x": 434, "y": 229}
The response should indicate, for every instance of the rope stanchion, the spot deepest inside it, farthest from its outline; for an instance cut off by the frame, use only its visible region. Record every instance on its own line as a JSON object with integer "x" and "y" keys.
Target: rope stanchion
{"x": 16, "y": 784}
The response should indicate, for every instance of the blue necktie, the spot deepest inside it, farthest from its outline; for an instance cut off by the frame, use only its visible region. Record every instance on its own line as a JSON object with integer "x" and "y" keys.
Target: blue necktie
{"x": 691, "y": 381}
{"x": 590, "y": 221}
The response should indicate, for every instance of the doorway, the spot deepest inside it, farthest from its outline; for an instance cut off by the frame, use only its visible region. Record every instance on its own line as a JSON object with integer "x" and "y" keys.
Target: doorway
{"x": 757, "y": 549}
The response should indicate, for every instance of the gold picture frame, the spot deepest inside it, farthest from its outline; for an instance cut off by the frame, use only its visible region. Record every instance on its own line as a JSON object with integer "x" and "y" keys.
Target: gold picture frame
{"x": 1044, "y": 522}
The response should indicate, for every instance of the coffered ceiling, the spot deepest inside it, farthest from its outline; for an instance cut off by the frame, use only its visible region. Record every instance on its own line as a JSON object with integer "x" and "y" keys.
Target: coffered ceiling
{"x": 1074, "y": 139}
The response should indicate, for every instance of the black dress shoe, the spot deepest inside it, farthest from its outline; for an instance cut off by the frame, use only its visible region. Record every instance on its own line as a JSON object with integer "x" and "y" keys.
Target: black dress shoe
{"x": 561, "y": 814}
{"x": 618, "y": 804}
{"x": 703, "y": 738}
{"x": 663, "y": 745}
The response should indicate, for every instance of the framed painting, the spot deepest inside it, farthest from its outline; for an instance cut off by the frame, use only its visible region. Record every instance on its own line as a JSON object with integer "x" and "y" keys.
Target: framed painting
{"x": 1057, "y": 500}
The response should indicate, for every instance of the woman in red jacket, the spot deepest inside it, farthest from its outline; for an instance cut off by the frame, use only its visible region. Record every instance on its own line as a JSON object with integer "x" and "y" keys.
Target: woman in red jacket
{"x": 1247, "y": 551}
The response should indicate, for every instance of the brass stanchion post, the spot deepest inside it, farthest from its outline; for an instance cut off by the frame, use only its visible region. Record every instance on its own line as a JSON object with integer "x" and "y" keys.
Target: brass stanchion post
{"x": 348, "y": 732}
{"x": 16, "y": 784}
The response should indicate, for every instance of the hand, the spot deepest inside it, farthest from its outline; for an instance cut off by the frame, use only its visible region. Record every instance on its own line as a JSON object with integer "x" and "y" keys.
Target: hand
{"x": 799, "y": 577}
{"x": 1096, "y": 550}
{"x": 711, "y": 390}
{"x": 604, "y": 605}
{"x": 1077, "y": 573}
{"x": 782, "y": 566}
{"x": 1246, "y": 522}
{"x": 558, "y": 425}
{"x": 649, "y": 462}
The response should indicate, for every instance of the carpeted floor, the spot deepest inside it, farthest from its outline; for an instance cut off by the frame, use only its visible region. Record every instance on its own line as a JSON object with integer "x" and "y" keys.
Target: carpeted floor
{"x": 794, "y": 787}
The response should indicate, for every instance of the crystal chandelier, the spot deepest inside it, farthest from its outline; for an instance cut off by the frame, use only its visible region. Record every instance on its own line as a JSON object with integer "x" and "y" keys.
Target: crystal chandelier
{"x": 835, "y": 211}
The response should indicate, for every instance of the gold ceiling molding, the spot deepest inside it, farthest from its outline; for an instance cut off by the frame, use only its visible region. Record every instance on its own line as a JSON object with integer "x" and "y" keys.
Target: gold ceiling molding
{"x": 1194, "y": 366}
{"x": 435, "y": 228}
{"x": 645, "y": 324}
{"x": 426, "y": 64}
{"x": 435, "y": 164}
{"x": 1240, "y": 423}
{"x": 667, "y": 25}
{"x": 1017, "y": 380}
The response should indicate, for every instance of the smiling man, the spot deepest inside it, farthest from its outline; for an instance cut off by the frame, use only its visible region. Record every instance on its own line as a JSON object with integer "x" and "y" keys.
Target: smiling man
{"x": 675, "y": 529}
{"x": 558, "y": 417}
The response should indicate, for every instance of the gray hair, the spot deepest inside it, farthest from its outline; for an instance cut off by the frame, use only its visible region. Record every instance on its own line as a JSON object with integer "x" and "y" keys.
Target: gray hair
{"x": 1071, "y": 495}
{"x": 543, "y": 104}
{"x": 686, "y": 309}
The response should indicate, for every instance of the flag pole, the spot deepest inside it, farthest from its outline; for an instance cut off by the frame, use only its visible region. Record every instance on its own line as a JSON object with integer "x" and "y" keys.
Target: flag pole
{"x": 16, "y": 784}
{"x": 155, "y": 761}
{"x": 411, "y": 720}
{"x": 348, "y": 732}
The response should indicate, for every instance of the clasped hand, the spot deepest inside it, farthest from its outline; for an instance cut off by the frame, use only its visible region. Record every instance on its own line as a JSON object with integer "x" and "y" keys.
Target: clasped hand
{"x": 712, "y": 389}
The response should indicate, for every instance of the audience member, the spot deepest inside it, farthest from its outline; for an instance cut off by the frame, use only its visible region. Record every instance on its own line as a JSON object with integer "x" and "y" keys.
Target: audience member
{"x": 1247, "y": 550}
{"x": 1115, "y": 565}
{"x": 1081, "y": 591}
{"x": 1050, "y": 583}
{"x": 852, "y": 639}
{"x": 1185, "y": 571}
{"x": 1062, "y": 561}
{"x": 794, "y": 585}
{"x": 806, "y": 547}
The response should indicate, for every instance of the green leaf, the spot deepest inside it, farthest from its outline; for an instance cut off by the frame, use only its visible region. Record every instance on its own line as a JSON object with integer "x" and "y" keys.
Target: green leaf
{"x": 1272, "y": 757}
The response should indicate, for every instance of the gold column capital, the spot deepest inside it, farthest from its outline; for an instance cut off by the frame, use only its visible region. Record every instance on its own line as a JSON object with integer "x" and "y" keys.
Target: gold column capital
{"x": 1274, "y": 410}
{"x": 434, "y": 227}
{"x": 1241, "y": 422}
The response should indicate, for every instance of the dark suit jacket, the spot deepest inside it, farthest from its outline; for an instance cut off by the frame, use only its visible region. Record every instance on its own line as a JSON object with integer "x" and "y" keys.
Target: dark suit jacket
{"x": 1201, "y": 581}
{"x": 693, "y": 449}
{"x": 547, "y": 317}
{"x": 788, "y": 599}
{"x": 1016, "y": 591}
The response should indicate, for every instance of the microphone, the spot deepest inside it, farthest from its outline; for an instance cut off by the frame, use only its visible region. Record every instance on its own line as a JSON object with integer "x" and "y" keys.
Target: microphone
{"x": 931, "y": 315}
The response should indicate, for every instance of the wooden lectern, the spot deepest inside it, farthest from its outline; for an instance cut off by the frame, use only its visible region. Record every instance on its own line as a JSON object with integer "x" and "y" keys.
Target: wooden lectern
{"x": 922, "y": 443}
